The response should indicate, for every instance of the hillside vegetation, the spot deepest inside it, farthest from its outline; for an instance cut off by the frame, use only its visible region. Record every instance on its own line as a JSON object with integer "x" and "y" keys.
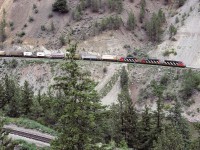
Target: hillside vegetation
{"x": 102, "y": 105}
{"x": 52, "y": 23}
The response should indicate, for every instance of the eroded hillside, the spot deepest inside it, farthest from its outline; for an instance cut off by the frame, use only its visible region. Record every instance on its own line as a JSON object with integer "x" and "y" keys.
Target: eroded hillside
{"x": 34, "y": 23}
{"x": 33, "y": 26}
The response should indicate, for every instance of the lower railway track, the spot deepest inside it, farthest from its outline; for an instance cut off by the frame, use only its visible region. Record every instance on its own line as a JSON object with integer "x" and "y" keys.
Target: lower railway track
{"x": 29, "y": 135}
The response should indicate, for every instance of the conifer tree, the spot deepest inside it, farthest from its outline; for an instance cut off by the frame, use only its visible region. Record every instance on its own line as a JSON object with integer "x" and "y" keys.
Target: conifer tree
{"x": 172, "y": 30}
{"x": 1, "y": 95}
{"x": 36, "y": 108}
{"x": 180, "y": 2}
{"x": 95, "y": 5}
{"x": 129, "y": 117}
{"x": 5, "y": 142}
{"x": 124, "y": 78}
{"x": 131, "y": 21}
{"x": 116, "y": 5}
{"x": 195, "y": 145}
{"x": 179, "y": 122}
{"x": 142, "y": 10}
{"x": 146, "y": 129}
{"x": 11, "y": 97}
{"x": 154, "y": 26}
{"x": 169, "y": 139}
{"x": 27, "y": 99}
{"x": 158, "y": 91}
{"x": 81, "y": 107}
{"x": 2, "y": 27}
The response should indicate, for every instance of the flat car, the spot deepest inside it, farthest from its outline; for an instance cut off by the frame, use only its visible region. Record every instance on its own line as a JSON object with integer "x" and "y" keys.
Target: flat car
{"x": 109, "y": 57}
{"x": 2, "y": 53}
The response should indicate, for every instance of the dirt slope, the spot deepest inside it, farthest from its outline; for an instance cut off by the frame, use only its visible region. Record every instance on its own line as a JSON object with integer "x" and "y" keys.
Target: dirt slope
{"x": 187, "y": 38}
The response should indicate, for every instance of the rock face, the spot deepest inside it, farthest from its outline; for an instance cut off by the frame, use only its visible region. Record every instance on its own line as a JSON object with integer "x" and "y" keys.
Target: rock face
{"x": 186, "y": 44}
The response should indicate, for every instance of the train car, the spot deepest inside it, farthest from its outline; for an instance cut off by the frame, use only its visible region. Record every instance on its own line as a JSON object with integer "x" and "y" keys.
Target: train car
{"x": 40, "y": 54}
{"x": 76, "y": 56}
{"x": 86, "y": 56}
{"x": 173, "y": 63}
{"x": 27, "y": 54}
{"x": 109, "y": 58}
{"x": 14, "y": 53}
{"x": 128, "y": 59}
{"x": 2, "y": 53}
{"x": 150, "y": 61}
{"x": 57, "y": 55}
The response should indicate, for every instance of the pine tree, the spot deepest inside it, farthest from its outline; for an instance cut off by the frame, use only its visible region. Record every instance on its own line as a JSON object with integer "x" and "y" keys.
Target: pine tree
{"x": 36, "y": 108}
{"x": 81, "y": 108}
{"x": 146, "y": 130}
{"x": 27, "y": 99}
{"x": 179, "y": 122}
{"x": 124, "y": 78}
{"x": 154, "y": 26}
{"x": 172, "y": 30}
{"x": 1, "y": 95}
{"x": 195, "y": 145}
{"x": 2, "y": 27}
{"x": 131, "y": 21}
{"x": 169, "y": 139}
{"x": 158, "y": 91}
{"x": 116, "y": 5}
{"x": 11, "y": 97}
{"x": 128, "y": 115}
{"x": 142, "y": 10}
{"x": 5, "y": 142}
{"x": 130, "y": 122}
{"x": 180, "y": 2}
{"x": 95, "y": 5}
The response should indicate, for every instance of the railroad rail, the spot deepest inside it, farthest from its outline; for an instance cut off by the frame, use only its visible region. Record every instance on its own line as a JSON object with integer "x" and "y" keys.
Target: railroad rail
{"x": 94, "y": 57}
{"x": 29, "y": 135}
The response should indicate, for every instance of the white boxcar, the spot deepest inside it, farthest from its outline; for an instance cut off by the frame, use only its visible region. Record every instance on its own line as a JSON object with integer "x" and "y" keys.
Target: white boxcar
{"x": 40, "y": 54}
{"x": 89, "y": 57}
{"x": 2, "y": 53}
{"x": 57, "y": 55}
{"x": 28, "y": 54}
{"x": 109, "y": 57}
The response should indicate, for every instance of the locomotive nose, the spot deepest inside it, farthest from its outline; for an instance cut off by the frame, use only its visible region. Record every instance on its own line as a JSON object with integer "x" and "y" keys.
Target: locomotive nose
{"x": 121, "y": 59}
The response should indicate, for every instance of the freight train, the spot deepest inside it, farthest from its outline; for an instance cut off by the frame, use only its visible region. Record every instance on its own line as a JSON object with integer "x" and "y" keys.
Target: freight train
{"x": 93, "y": 57}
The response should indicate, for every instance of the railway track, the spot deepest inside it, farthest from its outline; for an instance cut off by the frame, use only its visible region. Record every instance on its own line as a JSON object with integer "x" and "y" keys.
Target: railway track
{"x": 53, "y": 59}
{"x": 29, "y": 135}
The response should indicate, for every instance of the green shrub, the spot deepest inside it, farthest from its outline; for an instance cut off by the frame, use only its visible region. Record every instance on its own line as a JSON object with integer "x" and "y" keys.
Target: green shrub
{"x": 31, "y": 19}
{"x": 168, "y": 52}
{"x": 172, "y": 30}
{"x": 62, "y": 40}
{"x": 36, "y": 11}
{"x": 177, "y": 20}
{"x": 164, "y": 80}
{"x": 50, "y": 15}
{"x": 131, "y": 21}
{"x": 25, "y": 25}
{"x": 34, "y": 6}
{"x": 76, "y": 14}
{"x": 115, "y": 5}
{"x": 13, "y": 63}
{"x": 60, "y": 6}
{"x": 111, "y": 23}
{"x": 191, "y": 82}
{"x": 43, "y": 28}
{"x": 21, "y": 34}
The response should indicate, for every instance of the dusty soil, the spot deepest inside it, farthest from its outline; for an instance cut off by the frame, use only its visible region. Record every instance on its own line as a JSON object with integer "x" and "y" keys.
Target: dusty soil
{"x": 187, "y": 37}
